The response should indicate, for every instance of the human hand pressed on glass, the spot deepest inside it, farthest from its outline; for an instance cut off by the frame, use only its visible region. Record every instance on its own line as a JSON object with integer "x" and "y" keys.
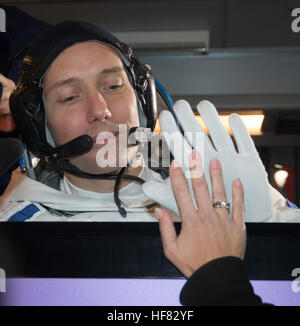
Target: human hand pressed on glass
{"x": 206, "y": 232}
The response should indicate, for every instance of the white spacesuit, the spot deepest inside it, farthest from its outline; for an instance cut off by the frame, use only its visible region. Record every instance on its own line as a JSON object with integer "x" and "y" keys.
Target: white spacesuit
{"x": 30, "y": 200}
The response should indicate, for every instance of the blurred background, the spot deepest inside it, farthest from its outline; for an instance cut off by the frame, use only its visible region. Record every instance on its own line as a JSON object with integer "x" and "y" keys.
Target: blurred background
{"x": 243, "y": 56}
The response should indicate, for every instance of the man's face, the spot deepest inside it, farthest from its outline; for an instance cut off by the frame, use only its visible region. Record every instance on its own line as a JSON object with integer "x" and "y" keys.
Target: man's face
{"x": 87, "y": 91}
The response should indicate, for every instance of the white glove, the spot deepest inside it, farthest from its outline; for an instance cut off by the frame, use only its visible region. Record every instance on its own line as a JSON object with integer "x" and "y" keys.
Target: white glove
{"x": 244, "y": 164}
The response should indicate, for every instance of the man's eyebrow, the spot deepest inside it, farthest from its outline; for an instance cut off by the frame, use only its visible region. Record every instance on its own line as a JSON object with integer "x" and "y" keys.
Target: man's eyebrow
{"x": 63, "y": 83}
{"x": 115, "y": 69}
{"x": 112, "y": 70}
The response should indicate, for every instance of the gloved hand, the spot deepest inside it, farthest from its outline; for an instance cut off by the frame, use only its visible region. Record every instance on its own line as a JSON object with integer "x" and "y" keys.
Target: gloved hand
{"x": 244, "y": 163}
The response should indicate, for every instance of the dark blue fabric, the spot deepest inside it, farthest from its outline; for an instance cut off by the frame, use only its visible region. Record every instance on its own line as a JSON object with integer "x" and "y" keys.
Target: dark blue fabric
{"x": 24, "y": 214}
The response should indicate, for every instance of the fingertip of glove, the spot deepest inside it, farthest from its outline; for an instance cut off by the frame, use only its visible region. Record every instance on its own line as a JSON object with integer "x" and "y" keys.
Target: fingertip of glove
{"x": 181, "y": 104}
{"x": 236, "y": 122}
{"x": 205, "y": 104}
{"x": 234, "y": 117}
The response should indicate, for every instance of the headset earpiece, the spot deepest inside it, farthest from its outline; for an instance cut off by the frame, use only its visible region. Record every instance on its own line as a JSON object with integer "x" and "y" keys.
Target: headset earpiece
{"x": 146, "y": 91}
{"x": 26, "y": 110}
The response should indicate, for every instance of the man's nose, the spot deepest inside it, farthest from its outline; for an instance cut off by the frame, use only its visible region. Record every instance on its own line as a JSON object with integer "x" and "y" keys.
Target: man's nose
{"x": 98, "y": 109}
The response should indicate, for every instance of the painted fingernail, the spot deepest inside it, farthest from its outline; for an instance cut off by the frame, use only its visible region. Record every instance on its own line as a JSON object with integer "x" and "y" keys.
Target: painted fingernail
{"x": 215, "y": 164}
{"x": 193, "y": 159}
{"x": 237, "y": 183}
{"x": 196, "y": 165}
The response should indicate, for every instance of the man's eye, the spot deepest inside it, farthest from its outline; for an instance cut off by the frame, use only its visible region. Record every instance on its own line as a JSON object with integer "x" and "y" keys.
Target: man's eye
{"x": 114, "y": 87}
{"x": 69, "y": 99}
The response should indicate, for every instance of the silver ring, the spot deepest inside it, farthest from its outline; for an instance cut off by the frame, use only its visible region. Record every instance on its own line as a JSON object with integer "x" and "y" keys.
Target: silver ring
{"x": 222, "y": 204}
